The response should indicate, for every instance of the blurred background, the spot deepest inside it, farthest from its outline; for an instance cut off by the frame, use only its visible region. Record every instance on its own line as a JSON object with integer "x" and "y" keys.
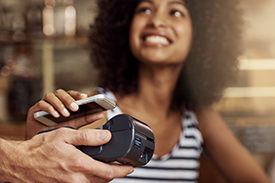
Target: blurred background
{"x": 43, "y": 47}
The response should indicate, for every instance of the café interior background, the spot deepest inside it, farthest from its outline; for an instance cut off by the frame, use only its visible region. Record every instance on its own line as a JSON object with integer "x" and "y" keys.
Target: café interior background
{"x": 43, "y": 47}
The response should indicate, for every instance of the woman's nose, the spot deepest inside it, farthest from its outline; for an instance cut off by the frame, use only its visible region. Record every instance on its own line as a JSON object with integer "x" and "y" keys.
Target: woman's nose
{"x": 158, "y": 20}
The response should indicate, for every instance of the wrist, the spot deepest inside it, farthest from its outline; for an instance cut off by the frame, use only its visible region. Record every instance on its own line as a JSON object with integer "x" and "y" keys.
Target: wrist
{"x": 7, "y": 160}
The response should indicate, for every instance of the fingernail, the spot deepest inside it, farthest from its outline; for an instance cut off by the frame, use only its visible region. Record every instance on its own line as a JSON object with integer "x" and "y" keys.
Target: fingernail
{"x": 56, "y": 114}
{"x": 74, "y": 106}
{"x": 66, "y": 112}
{"x": 102, "y": 135}
{"x": 83, "y": 95}
{"x": 131, "y": 171}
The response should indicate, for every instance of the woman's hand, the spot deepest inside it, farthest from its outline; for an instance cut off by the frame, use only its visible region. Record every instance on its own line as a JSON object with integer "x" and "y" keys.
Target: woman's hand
{"x": 57, "y": 103}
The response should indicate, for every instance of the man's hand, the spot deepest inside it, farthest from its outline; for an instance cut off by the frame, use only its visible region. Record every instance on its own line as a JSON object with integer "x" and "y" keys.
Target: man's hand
{"x": 53, "y": 157}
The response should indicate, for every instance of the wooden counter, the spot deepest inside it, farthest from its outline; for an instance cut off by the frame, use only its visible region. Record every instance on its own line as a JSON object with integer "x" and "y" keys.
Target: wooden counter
{"x": 12, "y": 131}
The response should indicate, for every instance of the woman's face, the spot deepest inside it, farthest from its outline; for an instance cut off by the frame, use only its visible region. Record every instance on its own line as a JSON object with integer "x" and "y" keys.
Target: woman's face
{"x": 161, "y": 31}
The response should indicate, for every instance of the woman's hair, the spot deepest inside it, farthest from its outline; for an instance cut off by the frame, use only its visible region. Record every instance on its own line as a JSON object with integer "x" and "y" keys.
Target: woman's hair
{"x": 210, "y": 66}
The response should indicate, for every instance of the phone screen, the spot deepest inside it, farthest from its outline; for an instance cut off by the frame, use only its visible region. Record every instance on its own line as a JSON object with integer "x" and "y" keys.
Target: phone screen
{"x": 84, "y": 110}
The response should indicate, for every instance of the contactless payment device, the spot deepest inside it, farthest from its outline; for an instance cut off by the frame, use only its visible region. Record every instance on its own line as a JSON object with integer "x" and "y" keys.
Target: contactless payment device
{"x": 132, "y": 142}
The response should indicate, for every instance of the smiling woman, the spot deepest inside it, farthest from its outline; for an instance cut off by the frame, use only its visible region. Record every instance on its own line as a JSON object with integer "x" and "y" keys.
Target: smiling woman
{"x": 165, "y": 62}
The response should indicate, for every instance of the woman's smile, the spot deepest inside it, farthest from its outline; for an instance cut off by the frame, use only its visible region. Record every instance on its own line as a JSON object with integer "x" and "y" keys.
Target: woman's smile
{"x": 156, "y": 40}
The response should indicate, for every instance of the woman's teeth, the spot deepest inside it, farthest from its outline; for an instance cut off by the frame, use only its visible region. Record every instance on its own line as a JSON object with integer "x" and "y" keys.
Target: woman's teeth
{"x": 157, "y": 40}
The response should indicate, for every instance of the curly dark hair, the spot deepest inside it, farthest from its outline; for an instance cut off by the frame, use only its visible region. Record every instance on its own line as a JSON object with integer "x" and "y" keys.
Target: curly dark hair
{"x": 210, "y": 65}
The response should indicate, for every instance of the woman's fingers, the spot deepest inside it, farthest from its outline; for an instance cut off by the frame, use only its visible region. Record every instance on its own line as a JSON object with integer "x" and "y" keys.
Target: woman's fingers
{"x": 77, "y": 95}
{"x": 55, "y": 102}
{"x": 66, "y": 99}
{"x": 45, "y": 106}
{"x": 62, "y": 101}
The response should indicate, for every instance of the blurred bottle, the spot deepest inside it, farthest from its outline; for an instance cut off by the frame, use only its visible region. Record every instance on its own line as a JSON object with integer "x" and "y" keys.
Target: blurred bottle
{"x": 5, "y": 21}
{"x": 34, "y": 19}
{"x": 18, "y": 27}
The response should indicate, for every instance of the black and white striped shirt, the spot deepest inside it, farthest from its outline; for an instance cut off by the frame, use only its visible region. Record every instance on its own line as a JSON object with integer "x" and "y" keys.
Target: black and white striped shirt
{"x": 181, "y": 165}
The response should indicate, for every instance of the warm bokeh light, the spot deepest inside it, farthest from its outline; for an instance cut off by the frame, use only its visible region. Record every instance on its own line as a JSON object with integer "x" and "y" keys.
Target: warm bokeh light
{"x": 5, "y": 71}
{"x": 48, "y": 27}
{"x": 50, "y": 3}
{"x": 256, "y": 64}
{"x": 10, "y": 63}
{"x": 70, "y": 21}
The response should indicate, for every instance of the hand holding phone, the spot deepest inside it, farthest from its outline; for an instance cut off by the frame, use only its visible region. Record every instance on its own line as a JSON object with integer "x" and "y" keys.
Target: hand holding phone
{"x": 87, "y": 106}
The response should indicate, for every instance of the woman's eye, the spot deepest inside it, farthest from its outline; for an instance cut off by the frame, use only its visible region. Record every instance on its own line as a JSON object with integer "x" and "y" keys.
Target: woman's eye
{"x": 177, "y": 13}
{"x": 144, "y": 10}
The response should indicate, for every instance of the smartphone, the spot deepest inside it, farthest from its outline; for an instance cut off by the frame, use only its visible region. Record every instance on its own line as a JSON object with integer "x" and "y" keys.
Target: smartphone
{"x": 87, "y": 106}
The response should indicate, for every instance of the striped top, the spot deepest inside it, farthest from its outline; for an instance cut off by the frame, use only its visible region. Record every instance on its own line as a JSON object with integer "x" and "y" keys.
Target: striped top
{"x": 181, "y": 165}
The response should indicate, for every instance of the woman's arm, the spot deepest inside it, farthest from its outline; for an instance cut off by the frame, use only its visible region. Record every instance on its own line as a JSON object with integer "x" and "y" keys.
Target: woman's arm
{"x": 226, "y": 152}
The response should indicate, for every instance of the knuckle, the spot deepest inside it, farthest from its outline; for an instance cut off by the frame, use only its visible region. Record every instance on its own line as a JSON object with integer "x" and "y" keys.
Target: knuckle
{"x": 49, "y": 95}
{"x": 86, "y": 119}
{"x": 71, "y": 91}
{"x": 40, "y": 103}
{"x": 59, "y": 91}
{"x": 68, "y": 98}
{"x": 30, "y": 109}
{"x": 60, "y": 106}
{"x": 85, "y": 135}
{"x": 109, "y": 174}
{"x": 61, "y": 132}
{"x": 79, "y": 164}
